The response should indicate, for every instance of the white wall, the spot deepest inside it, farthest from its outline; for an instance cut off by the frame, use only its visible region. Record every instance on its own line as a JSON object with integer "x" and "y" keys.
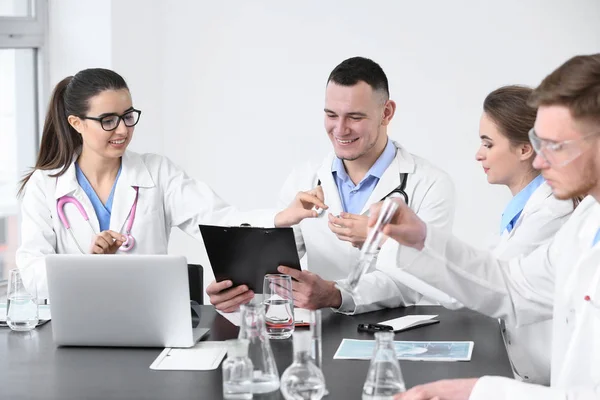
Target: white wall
{"x": 79, "y": 37}
{"x": 233, "y": 90}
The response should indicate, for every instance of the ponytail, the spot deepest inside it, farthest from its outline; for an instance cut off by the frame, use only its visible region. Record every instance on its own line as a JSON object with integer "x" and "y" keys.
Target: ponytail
{"x": 60, "y": 141}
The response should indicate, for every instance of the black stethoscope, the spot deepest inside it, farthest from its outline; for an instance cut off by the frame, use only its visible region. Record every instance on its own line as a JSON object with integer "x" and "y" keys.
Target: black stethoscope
{"x": 399, "y": 189}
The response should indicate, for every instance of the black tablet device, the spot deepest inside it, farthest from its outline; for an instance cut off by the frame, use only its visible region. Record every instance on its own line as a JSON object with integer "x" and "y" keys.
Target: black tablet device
{"x": 245, "y": 255}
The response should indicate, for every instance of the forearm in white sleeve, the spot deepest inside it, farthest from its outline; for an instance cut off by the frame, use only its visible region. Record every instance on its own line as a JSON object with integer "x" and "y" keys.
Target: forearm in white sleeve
{"x": 498, "y": 388}
{"x": 520, "y": 291}
{"x": 390, "y": 287}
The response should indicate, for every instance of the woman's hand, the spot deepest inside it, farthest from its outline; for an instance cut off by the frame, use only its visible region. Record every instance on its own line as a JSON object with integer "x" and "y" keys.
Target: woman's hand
{"x": 107, "y": 242}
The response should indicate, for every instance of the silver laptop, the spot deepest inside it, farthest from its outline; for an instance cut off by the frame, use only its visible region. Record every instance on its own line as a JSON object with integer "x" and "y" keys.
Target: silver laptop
{"x": 120, "y": 300}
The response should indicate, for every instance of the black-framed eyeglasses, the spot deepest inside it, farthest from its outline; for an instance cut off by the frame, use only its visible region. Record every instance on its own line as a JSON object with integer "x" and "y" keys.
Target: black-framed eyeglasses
{"x": 111, "y": 121}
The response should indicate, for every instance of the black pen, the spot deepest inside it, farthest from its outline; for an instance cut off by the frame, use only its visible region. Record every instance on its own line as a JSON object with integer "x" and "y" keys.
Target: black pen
{"x": 372, "y": 328}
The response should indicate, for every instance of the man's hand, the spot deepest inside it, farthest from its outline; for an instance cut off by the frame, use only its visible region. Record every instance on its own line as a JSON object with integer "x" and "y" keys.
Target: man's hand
{"x": 302, "y": 207}
{"x": 107, "y": 242}
{"x": 228, "y": 299}
{"x": 350, "y": 228}
{"x": 455, "y": 389}
{"x": 311, "y": 291}
{"x": 405, "y": 227}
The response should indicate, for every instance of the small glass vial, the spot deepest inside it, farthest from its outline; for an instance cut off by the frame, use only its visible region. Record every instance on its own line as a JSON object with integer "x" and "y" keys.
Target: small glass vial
{"x": 237, "y": 371}
{"x": 303, "y": 379}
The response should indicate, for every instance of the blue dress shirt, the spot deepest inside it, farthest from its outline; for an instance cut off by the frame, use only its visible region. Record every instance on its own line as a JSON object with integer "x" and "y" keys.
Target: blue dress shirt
{"x": 354, "y": 197}
{"x": 515, "y": 207}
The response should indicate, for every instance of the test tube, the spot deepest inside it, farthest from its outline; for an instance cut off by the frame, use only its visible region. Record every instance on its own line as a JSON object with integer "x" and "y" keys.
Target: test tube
{"x": 370, "y": 248}
{"x": 317, "y": 346}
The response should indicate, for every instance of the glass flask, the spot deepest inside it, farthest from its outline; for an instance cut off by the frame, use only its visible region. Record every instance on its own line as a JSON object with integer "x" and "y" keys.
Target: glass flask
{"x": 265, "y": 378}
{"x": 384, "y": 379}
{"x": 303, "y": 379}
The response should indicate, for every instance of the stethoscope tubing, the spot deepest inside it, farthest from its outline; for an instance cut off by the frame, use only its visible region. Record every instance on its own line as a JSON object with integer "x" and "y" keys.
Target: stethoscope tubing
{"x": 60, "y": 204}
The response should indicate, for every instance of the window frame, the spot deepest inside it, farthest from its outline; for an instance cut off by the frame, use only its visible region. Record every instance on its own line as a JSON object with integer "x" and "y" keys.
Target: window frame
{"x": 29, "y": 32}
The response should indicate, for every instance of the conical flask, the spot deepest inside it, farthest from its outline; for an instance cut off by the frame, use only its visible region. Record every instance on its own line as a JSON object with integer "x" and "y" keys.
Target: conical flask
{"x": 302, "y": 380}
{"x": 265, "y": 378}
{"x": 384, "y": 379}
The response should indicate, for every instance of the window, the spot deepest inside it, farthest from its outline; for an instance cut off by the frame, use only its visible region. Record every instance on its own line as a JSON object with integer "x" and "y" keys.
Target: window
{"x": 22, "y": 41}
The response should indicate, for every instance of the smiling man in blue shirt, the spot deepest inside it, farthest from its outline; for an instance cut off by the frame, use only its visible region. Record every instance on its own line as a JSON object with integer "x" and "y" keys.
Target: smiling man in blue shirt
{"x": 365, "y": 166}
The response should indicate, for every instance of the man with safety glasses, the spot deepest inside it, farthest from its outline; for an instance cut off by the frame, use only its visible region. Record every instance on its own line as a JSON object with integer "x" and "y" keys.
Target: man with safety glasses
{"x": 560, "y": 280}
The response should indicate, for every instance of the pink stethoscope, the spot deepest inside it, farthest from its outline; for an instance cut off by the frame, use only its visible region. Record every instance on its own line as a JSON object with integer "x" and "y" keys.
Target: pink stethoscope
{"x": 128, "y": 245}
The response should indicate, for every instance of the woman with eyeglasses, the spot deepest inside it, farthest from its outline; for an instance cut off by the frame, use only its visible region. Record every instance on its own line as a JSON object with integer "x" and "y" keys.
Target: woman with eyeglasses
{"x": 531, "y": 218}
{"x": 89, "y": 194}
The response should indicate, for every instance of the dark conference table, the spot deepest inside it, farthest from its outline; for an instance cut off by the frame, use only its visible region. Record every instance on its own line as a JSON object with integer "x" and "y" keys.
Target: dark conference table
{"x": 32, "y": 367}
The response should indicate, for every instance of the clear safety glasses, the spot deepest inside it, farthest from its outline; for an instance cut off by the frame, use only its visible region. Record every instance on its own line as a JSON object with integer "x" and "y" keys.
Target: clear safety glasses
{"x": 558, "y": 154}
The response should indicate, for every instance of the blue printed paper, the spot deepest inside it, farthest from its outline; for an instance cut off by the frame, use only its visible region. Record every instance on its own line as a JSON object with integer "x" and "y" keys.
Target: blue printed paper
{"x": 351, "y": 349}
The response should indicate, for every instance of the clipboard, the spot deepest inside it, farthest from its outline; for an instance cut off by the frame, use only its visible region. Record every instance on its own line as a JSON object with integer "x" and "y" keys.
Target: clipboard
{"x": 245, "y": 255}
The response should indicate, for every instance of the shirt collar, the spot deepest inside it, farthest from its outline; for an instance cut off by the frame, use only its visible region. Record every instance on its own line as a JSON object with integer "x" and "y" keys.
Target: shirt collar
{"x": 517, "y": 204}
{"x": 376, "y": 170}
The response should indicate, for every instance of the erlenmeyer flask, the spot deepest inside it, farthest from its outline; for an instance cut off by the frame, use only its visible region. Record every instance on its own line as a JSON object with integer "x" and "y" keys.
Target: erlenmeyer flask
{"x": 302, "y": 380}
{"x": 384, "y": 379}
{"x": 265, "y": 378}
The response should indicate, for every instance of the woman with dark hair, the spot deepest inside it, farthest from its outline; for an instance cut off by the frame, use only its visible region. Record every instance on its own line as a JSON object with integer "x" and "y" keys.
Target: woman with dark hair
{"x": 89, "y": 194}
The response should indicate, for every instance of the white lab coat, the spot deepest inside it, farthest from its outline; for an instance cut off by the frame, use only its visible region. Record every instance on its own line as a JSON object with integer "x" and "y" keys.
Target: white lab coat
{"x": 551, "y": 282}
{"x": 167, "y": 198}
{"x": 431, "y": 196}
{"x": 529, "y": 346}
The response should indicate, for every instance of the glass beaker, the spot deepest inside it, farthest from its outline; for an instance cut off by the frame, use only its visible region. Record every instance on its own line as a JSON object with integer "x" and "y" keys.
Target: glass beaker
{"x": 265, "y": 377}
{"x": 384, "y": 379}
{"x": 279, "y": 306}
{"x": 21, "y": 303}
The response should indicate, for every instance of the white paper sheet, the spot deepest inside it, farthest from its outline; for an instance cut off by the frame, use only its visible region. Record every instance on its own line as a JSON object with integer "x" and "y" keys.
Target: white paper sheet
{"x": 233, "y": 317}
{"x": 203, "y": 356}
{"x": 407, "y": 321}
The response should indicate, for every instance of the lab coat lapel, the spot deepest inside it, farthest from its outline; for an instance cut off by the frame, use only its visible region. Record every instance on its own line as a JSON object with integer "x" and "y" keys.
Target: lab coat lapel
{"x": 67, "y": 184}
{"x": 535, "y": 202}
{"x": 537, "y": 198}
{"x": 330, "y": 189}
{"x": 134, "y": 173}
{"x": 391, "y": 179}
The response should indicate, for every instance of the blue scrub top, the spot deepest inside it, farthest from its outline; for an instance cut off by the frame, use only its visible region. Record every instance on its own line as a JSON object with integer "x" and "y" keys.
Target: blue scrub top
{"x": 103, "y": 211}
